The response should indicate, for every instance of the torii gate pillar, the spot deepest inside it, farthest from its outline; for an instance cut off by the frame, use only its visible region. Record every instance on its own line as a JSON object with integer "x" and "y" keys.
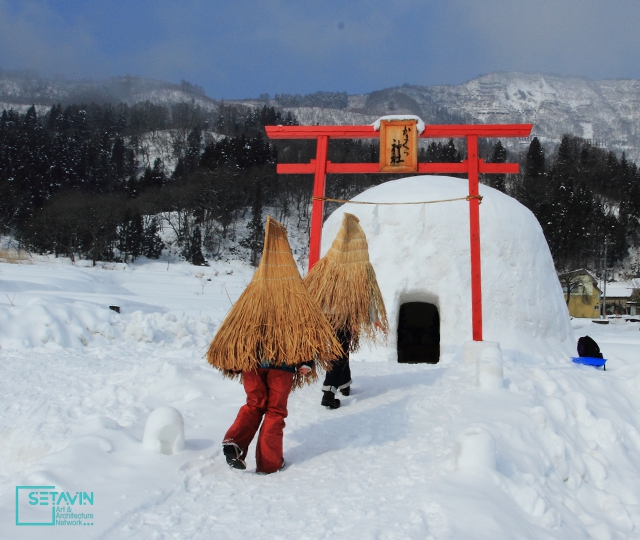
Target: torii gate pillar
{"x": 317, "y": 205}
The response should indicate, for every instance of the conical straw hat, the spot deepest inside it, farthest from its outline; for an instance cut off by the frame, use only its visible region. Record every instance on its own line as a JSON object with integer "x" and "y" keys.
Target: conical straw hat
{"x": 275, "y": 319}
{"x": 344, "y": 284}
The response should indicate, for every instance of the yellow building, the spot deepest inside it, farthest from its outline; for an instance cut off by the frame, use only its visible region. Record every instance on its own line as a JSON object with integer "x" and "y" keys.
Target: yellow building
{"x": 581, "y": 293}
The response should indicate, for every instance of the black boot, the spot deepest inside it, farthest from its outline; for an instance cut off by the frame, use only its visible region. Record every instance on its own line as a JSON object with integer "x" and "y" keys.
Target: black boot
{"x": 345, "y": 391}
{"x": 329, "y": 400}
{"x": 233, "y": 454}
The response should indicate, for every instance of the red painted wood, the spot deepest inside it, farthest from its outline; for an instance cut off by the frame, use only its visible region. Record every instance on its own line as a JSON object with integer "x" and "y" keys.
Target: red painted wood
{"x": 296, "y": 168}
{"x": 498, "y": 168}
{"x": 317, "y": 207}
{"x": 352, "y": 168}
{"x": 357, "y": 168}
{"x": 362, "y": 168}
{"x": 443, "y": 167}
{"x": 479, "y": 130}
{"x": 432, "y": 131}
{"x": 313, "y": 132}
{"x": 474, "y": 226}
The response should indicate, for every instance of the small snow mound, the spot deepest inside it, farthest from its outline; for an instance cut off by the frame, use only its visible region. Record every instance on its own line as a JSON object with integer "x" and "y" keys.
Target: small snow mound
{"x": 420, "y": 125}
{"x": 475, "y": 448}
{"x": 489, "y": 372}
{"x": 164, "y": 431}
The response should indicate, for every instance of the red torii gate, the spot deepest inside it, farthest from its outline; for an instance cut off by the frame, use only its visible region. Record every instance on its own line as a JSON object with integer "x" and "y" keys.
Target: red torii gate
{"x": 472, "y": 166}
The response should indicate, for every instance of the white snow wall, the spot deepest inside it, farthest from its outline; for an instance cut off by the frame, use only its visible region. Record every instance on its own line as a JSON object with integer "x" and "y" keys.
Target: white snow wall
{"x": 421, "y": 253}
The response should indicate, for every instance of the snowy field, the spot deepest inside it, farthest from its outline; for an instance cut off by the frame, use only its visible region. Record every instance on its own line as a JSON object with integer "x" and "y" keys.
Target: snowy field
{"x": 417, "y": 451}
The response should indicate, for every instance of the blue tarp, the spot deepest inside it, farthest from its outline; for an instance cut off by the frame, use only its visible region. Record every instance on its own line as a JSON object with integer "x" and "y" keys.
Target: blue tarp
{"x": 589, "y": 361}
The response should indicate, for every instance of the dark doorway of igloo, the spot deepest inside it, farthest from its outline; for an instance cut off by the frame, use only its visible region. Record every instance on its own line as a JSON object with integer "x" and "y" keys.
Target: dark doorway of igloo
{"x": 418, "y": 333}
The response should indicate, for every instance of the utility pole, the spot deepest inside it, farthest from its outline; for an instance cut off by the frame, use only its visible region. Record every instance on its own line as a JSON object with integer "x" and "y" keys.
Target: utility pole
{"x": 604, "y": 289}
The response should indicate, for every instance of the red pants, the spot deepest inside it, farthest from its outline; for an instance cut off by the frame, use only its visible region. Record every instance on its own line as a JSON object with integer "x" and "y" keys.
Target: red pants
{"x": 267, "y": 394}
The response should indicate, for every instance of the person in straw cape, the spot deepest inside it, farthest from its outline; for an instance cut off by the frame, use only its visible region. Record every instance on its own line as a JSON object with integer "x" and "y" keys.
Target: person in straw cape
{"x": 269, "y": 340}
{"x": 344, "y": 284}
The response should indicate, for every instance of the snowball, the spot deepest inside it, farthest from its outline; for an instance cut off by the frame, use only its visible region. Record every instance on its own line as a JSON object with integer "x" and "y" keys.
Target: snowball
{"x": 164, "y": 431}
{"x": 489, "y": 374}
{"x": 475, "y": 447}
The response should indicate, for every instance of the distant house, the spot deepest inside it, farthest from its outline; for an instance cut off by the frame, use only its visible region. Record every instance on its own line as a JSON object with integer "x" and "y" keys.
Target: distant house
{"x": 620, "y": 298}
{"x": 582, "y": 294}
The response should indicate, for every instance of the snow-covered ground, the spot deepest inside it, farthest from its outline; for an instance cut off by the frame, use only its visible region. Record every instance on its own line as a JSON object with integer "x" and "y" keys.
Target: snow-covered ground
{"x": 417, "y": 451}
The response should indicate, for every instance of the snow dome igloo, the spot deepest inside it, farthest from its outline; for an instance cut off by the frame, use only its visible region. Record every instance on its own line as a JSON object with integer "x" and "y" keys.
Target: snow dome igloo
{"x": 421, "y": 256}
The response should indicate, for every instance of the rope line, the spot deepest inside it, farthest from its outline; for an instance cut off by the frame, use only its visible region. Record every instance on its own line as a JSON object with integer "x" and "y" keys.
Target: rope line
{"x": 344, "y": 201}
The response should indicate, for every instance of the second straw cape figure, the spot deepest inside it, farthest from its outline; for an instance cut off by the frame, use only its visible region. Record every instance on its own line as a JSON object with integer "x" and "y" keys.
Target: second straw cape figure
{"x": 270, "y": 338}
{"x": 344, "y": 284}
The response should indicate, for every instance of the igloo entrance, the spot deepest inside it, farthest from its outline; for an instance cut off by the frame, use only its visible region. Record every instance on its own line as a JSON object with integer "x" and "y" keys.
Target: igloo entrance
{"x": 418, "y": 333}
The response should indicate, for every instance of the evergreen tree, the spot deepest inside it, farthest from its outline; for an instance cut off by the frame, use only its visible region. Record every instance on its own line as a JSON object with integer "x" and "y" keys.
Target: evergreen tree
{"x": 131, "y": 236}
{"x": 255, "y": 240}
{"x": 535, "y": 163}
{"x": 450, "y": 153}
{"x": 150, "y": 179}
{"x": 193, "y": 252}
{"x": 439, "y": 153}
{"x": 499, "y": 155}
{"x": 152, "y": 244}
{"x": 192, "y": 157}
{"x": 535, "y": 188}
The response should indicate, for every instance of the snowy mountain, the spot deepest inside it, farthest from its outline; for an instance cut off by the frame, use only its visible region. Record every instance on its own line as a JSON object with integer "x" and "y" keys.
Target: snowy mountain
{"x": 19, "y": 89}
{"x": 605, "y": 112}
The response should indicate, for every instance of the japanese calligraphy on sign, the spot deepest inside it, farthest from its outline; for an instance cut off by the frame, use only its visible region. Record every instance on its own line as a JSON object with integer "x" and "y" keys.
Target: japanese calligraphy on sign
{"x": 398, "y": 146}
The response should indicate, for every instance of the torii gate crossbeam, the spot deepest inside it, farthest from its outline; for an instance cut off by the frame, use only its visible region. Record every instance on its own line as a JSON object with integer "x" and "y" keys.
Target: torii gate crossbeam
{"x": 472, "y": 167}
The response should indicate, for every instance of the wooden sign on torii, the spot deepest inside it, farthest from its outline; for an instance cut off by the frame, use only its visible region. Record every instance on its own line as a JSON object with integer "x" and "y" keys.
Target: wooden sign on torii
{"x": 472, "y": 167}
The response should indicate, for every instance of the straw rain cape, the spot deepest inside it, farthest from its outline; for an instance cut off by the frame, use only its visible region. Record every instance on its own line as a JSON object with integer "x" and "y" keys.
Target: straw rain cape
{"x": 275, "y": 319}
{"x": 344, "y": 284}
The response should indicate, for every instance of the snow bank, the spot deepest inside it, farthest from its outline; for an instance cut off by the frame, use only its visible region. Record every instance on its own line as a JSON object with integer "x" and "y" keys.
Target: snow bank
{"x": 83, "y": 324}
{"x": 421, "y": 254}
{"x": 57, "y": 304}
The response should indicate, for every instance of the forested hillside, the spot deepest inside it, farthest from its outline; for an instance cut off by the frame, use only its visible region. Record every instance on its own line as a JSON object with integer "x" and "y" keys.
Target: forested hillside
{"x": 100, "y": 182}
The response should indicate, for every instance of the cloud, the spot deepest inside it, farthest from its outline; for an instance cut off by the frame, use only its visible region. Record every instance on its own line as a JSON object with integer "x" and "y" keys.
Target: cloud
{"x": 246, "y": 47}
{"x": 33, "y": 36}
{"x": 569, "y": 37}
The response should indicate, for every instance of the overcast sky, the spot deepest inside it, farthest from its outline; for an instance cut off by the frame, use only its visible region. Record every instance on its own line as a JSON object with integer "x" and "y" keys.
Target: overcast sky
{"x": 242, "y": 48}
